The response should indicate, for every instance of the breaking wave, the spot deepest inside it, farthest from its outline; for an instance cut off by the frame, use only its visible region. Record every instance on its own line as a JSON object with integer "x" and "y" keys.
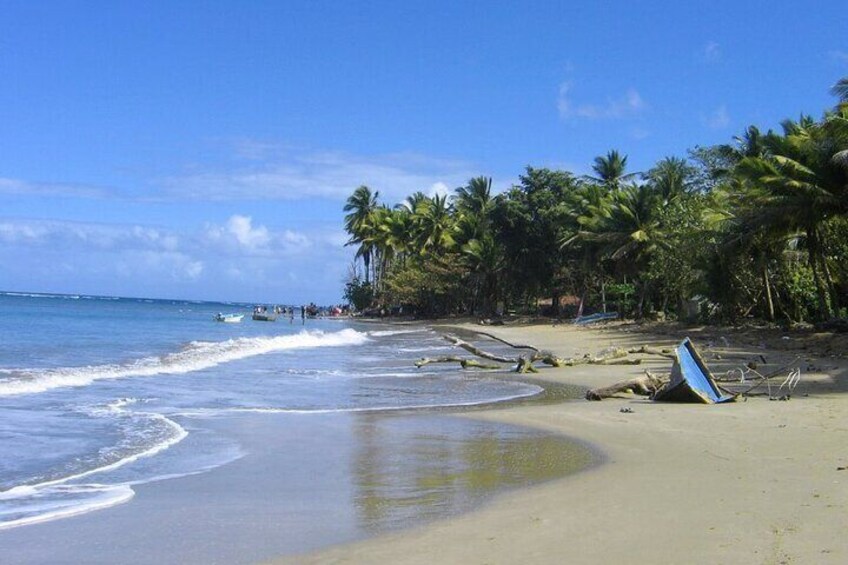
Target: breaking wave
{"x": 196, "y": 356}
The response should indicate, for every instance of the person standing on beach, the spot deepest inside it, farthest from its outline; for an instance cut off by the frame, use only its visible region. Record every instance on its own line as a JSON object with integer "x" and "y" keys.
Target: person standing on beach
{"x": 303, "y": 315}
{"x": 291, "y": 314}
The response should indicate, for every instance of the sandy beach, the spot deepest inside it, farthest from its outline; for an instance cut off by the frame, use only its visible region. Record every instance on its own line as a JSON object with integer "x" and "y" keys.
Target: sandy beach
{"x": 757, "y": 481}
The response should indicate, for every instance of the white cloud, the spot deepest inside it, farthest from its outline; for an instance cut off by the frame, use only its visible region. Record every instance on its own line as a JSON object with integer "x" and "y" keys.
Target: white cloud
{"x": 291, "y": 175}
{"x": 627, "y": 105}
{"x": 438, "y": 189}
{"x": 241, "y": 228}
{"x": 718, "y": 119}
{"x": 238, "y": 236}
{"x": 64, "y": 234}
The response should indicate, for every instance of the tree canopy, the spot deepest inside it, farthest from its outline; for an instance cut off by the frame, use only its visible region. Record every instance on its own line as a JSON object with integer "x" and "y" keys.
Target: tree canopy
{"x": 754, "y": 227}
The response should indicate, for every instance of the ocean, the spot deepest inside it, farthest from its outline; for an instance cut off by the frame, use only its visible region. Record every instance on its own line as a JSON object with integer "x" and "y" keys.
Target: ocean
{"x": 100, "y": 396}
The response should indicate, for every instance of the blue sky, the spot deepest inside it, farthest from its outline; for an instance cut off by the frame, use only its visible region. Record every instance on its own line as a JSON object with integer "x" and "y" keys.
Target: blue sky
{"x": 204, "y": 150}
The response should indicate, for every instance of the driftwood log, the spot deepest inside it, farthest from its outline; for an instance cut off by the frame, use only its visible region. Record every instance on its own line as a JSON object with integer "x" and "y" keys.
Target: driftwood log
{"x": 524, "y": 363}
{"x": 645, "y": 385}
{"x": 466, "y": 363}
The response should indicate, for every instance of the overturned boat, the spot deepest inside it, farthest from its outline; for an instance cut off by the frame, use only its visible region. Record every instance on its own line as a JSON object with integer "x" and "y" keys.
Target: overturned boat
{"x": 691, "y": 380}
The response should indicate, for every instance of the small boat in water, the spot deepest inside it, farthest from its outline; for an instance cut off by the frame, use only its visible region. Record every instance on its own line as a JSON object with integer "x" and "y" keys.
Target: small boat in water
{"x": 229, "y": 318}
{"x": 263, "y": 314}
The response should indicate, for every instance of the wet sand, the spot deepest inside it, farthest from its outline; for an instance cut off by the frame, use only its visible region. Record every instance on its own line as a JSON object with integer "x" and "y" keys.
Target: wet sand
{"x": 749, "y": 482}
{"x": 303, "y": 482}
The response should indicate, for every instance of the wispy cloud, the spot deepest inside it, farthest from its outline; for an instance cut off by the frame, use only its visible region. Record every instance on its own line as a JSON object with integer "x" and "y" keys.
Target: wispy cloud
{"x": 717, "y": 119}
{"x": 64, "y": 234}
{"x": 293, "y": 175}
{"x": 710, "y": 52}
{"x": 238, "y": 249}
{"x": 627, "y": 105}
{"x": 24, "y": 188}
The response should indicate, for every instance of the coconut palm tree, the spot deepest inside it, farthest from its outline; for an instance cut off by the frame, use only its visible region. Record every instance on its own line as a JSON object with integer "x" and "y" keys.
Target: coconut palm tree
{"x": 359, "y": 207}
{"x": 799, "y": 186}
{"x": 473, "y": 203}
{"x": 625, "y": 227}
{"x": 610, "y": 170}
{"x": 671, "y": 177}
{"x": 434, "y": 225}
{"x": 840, "y": 90}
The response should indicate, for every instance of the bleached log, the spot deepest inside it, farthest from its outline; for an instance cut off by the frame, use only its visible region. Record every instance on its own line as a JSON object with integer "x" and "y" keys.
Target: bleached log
{"x": 479, "y": 352}
{"x": 465, "y": 363}
{"x": 645, "y": 385}
{"x": 648, "y": 350}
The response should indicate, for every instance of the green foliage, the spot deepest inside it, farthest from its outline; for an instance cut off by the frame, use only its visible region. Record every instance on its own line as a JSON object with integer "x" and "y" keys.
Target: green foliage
{"x": 758, "y": 226}
{"x": 359, "y": 293}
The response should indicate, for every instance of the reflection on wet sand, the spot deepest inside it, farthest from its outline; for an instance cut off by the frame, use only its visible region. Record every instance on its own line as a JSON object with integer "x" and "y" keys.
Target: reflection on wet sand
{"x": 411, "y": 469}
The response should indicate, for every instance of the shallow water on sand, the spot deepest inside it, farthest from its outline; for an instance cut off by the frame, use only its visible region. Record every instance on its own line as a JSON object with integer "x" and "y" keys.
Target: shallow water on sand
{"x": 136, "y": 412}
{"x": 303, "y": 483}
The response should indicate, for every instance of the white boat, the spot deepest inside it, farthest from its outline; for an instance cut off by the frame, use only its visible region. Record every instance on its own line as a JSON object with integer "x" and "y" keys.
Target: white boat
{"x": 228, "y": 318}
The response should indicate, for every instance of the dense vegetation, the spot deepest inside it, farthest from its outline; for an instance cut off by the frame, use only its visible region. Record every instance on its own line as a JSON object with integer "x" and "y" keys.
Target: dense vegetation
{"x": 756, "y": 227}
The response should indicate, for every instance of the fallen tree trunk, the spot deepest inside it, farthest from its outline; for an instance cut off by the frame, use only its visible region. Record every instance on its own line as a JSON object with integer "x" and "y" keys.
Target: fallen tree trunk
{"x": 466, "y": 363}
{"x": 505, "y": 342}
{"x": 477, "y": 351}
{"x": 648, "y": 350}
{"x": 645, "y": 385}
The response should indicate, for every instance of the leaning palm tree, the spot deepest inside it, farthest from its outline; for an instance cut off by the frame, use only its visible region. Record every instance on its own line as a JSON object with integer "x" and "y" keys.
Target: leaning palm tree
{"x": 359, "y": 207}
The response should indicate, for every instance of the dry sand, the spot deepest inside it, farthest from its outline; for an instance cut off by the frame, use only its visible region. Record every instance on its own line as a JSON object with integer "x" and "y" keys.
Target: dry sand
{"x": 747, "y": 482}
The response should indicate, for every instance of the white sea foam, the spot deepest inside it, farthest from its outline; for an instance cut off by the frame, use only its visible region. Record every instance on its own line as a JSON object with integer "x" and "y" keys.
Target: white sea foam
{"x": 386, "y": 333}
{"x": 28, "y": 505}
{"x": 196, "y": 356}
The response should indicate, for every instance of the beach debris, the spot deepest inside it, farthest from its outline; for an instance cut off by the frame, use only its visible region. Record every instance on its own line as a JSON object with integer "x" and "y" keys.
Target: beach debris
{"x": 595, "y": 318}
{"x": 691, "y": 380}
{"x": 525, "y": 363}
{"x": 645, "y": 385}
{"x": 626, "y": 410}
{"x": 465, "y": 363}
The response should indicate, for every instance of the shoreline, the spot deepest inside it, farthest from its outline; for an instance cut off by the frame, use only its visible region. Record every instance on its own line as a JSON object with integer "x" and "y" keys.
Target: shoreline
{"x": 748, "y": 482}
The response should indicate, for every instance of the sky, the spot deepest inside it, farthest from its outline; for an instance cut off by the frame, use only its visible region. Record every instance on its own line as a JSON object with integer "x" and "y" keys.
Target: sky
{"x": 204, "y": 150}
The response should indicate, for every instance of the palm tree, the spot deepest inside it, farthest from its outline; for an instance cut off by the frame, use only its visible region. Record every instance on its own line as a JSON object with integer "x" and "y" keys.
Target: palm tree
{"x": 473, "y": 204}
{"x": 434, "y": 225}
{"x": 610, "y": 170}
{"x": 671, "y": 177}
{"x": 359, "y": 207}
{"x": 484, "y": 259}
{"x": 799, "y": 187}
{"x": 475, "y": 197}
{"x": 840, "y": 90}
{"x": 626, "y": 228}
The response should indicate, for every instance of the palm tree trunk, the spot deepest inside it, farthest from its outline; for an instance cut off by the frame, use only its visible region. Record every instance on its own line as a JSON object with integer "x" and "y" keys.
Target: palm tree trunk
{"x": 814, "y": 255}
{"x": 834, "y": 295}
{"x": 603, "y": 296}
{"x": 767, "y": 286}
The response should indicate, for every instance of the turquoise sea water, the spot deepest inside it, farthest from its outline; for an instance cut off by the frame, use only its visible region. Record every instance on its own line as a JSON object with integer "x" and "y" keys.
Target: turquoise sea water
{"x": 96, "y": 392}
